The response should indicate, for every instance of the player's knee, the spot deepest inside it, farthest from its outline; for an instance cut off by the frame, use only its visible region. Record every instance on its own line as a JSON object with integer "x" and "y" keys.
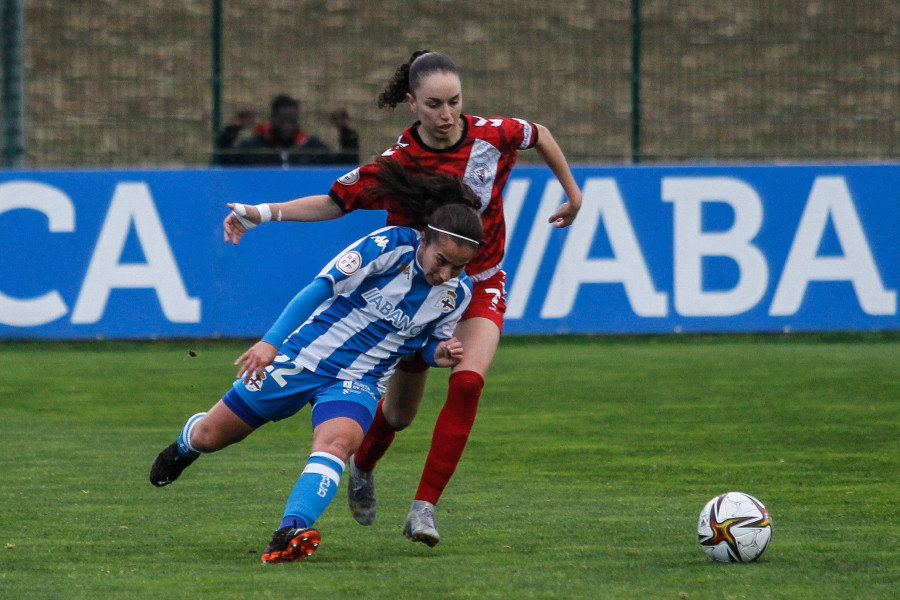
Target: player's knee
{"x": 341, "y": 446}
{"x": 205, "y": 438}
{"x": 468, "y": 385}
{"x": 399, "y": 417}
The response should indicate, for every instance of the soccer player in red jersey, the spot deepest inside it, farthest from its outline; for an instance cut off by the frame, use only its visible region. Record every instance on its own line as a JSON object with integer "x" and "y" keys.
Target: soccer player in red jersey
{"x": 482, "y": 151}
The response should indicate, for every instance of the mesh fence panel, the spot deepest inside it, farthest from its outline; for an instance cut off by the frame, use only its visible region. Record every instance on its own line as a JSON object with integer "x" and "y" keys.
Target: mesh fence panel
{"x": 113, "y": 84}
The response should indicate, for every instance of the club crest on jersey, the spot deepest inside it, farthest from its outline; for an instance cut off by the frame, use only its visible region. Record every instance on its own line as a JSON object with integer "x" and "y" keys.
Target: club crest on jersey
{"x": 349, "y": 263}
{"x": 447, "y": 302}
{"x": 255, "y": 384}
{"x": 350, "y": 178}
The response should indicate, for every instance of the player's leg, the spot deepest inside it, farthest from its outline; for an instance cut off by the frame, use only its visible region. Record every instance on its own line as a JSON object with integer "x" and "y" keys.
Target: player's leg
{"x": 395, "y": 412}
{"x": 240, "y": 411}
{"x": 203, "y": 433}
{"x": 341, "y": 417}
{"x": 480, "y": 338}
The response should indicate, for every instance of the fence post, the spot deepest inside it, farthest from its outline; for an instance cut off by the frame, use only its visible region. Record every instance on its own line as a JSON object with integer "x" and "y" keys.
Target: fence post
{"x": 13, "y": 95}
{"x": 216, "y": 78}
{"x": 635, "y": 81}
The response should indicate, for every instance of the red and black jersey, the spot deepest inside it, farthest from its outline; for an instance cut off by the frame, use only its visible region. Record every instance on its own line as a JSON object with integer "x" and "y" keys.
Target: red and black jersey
{"x": 483, "y": 157}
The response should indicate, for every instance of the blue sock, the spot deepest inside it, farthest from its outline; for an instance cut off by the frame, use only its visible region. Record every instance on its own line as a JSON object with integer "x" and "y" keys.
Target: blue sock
{"x": 184, "y": 438}
{"x": 313, "y": 491}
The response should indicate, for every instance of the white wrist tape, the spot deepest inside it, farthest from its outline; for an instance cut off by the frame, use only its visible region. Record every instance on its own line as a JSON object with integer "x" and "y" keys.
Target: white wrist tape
{"x": 240, "y": 212}
{"x": 265, "y": 213}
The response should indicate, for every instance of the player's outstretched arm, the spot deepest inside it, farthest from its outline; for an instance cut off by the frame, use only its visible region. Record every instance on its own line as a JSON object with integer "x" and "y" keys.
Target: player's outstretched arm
{"x": 244, "y": 217}
{"x": 553, "y": 156}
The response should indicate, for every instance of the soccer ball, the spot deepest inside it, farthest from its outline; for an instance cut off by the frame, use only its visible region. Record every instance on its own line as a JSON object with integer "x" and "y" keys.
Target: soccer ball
{"x": 734, "y": 527}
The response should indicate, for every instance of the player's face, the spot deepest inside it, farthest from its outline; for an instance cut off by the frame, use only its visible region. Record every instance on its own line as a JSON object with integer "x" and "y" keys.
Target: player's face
{"x": 444, "y": 259}
{"x": 438, "y": 104}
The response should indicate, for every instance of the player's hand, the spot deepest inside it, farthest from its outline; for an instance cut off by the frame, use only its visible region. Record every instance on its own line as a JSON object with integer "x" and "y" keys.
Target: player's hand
{"x": 234, "y": 227}
{"x": 259, "y": 356}
{"x": 448, "y": 353}
{"x": 565, "y": 215}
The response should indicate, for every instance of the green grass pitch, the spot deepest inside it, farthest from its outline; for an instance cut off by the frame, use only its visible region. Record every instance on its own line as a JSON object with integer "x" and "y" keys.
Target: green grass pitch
{"x": 587, "y": 468}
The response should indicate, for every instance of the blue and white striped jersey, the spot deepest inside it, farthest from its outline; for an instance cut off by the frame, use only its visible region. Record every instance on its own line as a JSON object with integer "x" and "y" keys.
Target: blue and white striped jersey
{"x": 383, "y": 308}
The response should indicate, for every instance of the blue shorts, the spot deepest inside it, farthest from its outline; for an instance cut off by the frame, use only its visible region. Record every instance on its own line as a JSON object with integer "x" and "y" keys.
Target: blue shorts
{"x": 288, "y": 387}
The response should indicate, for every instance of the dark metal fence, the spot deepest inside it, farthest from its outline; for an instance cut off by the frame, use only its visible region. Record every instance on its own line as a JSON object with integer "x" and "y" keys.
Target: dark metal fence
{"x": 114, "y": 84}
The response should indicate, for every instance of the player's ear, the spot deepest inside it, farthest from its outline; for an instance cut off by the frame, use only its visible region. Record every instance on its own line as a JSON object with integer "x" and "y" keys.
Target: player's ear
{"x": 411, "y": 100}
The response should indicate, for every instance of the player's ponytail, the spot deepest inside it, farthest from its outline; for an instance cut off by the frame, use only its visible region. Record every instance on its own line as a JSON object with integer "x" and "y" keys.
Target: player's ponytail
{"x": 419, "y": 191}
{"x": 409, "y": 75}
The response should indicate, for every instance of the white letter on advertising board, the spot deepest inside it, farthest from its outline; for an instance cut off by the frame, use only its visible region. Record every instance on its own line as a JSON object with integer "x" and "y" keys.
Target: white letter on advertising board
{"x": 830, "y": 197}
{"x": 692, "y": 245}
{"x": 602, "y": 202}
{"x": 60, "y": 215}
{"x": 530, "y": 261}
{"x": 132, "y": 203}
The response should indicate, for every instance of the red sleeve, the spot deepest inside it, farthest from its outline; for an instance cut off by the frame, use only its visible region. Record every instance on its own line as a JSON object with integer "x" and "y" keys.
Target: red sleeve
{"x": 527, "y": 134}
{"x": 347, "y": 193}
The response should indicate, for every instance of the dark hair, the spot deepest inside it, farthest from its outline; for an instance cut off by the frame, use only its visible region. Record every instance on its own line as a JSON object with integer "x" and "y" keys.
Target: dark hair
{"x": 409, "y": 75}
{"x": 284, "y": 101}
{"x": 420, "y": 191}
{"x": 457, "y": 222}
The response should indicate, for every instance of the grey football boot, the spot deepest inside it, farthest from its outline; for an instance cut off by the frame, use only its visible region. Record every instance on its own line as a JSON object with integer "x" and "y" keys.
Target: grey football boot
{"x": 361, "y": 494}
{"x": 420, "y": 525}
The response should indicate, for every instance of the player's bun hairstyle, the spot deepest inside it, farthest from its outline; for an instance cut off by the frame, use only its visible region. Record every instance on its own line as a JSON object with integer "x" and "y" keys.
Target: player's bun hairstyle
{"x": 457, "y": 222}
{"x": 410, "y": 74}
{"x": 420, "y": 192}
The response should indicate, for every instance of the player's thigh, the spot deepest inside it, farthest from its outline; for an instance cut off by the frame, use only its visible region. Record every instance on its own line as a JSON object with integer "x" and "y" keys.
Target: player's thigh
{"x": 480, "y": 338}
{"x": 404, "y": 394}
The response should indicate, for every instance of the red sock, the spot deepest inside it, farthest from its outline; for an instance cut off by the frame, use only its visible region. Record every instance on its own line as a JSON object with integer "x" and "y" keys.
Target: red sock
{"x": 378, "y": 439}
{"x": 450, "y": 434}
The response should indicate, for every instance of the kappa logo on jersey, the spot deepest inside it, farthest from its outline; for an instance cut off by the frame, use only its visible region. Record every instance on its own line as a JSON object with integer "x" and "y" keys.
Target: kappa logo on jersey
{"x": 350, "y": 178}
{"x": 403, "y": 269}
{"x": 380, "y": 241}
{"x": 481, "y": 122}
{"x": 349, "y": 263}
{"x": 447, "y": 302}
{"x": 399, "y": 144}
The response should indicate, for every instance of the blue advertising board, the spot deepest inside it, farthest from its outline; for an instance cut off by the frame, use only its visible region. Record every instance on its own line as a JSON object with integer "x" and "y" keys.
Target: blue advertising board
{"x": 655, "y": 249}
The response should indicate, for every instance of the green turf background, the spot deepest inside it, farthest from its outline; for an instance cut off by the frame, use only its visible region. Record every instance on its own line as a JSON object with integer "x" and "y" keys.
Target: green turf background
{"x": 588, "y": 465}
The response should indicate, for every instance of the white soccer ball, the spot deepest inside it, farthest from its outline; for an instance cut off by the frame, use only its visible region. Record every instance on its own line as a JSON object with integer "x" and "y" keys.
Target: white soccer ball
{"x": 734, "y": 527}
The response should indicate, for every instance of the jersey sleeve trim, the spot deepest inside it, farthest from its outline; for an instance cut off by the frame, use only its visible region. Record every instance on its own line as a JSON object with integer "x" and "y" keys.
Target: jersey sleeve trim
{"x": 337, "y": 200}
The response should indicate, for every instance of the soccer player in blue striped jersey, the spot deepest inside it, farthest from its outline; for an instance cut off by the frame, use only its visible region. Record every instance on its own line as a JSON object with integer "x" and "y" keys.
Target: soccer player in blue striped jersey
{"x": 390, "y": 294}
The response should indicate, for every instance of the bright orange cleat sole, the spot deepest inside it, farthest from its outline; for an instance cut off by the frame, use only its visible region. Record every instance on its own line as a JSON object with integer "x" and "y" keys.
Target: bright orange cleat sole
{"x": 300, "y": 547}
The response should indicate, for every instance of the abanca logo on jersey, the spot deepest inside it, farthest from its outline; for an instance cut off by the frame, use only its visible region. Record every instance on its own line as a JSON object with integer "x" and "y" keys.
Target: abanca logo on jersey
{"x": 391, "y": 313}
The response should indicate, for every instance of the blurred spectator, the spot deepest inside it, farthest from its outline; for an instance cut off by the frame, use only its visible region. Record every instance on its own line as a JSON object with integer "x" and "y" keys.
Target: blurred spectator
{"x": 281, "y": 141}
